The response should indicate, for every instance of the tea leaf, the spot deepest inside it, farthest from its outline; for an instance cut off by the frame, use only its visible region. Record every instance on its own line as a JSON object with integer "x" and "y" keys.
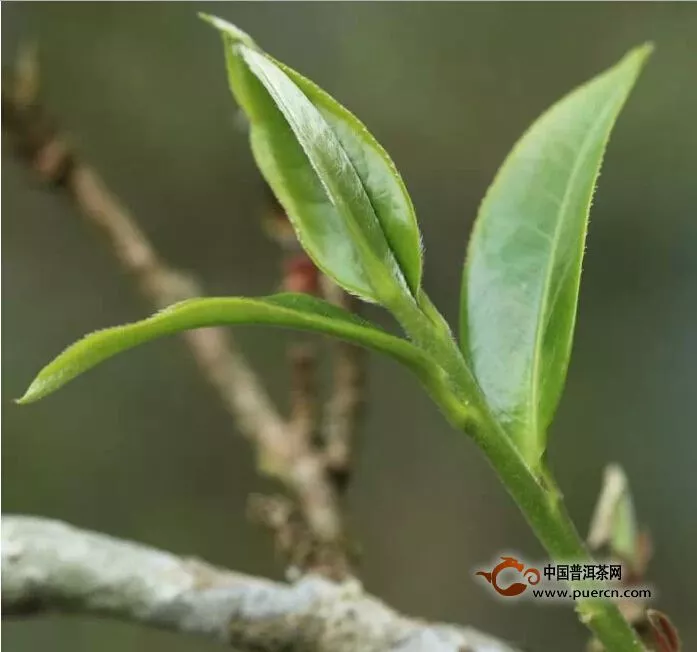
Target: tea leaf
{"x": 298, "y": 311}
{"x": 339, "y": 187}
{"x": 521, "y": 278}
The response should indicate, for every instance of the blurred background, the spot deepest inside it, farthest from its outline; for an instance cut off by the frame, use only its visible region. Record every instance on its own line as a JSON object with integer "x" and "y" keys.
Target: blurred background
{"x": 141, "y": 448}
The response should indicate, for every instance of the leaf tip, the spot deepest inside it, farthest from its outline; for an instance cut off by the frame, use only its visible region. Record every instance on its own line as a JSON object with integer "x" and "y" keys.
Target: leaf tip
{"x": 227, "y": 29}
{"x": 646, "y": 49}
{"x": 639, "y": 55}
{"x": 34, "y": 392}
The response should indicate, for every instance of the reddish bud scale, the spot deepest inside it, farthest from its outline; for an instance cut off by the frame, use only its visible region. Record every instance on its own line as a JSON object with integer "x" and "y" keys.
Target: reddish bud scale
{"x": 300, "y": 275}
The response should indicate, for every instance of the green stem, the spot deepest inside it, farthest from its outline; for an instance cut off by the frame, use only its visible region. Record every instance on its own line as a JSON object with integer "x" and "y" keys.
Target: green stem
{"x": 542, "y": 505}
{"x": 537, "y": 496}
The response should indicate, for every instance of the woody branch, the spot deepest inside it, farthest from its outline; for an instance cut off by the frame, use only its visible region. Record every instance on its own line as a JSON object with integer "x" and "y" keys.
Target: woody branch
{"x": 49, "y": 566}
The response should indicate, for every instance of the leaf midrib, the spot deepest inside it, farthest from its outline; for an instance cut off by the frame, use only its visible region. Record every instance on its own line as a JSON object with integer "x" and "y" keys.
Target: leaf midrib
{"x": 332, "y": 194}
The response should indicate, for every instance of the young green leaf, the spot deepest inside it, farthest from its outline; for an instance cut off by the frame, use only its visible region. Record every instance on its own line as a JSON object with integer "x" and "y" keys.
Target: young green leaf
{"x": 298, "y": 311}
{"x": 522, "y": 275}
{"x": 339, "y": 187}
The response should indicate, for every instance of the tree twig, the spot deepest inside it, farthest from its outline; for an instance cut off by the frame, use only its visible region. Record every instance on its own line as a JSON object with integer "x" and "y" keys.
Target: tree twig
{"x": 345, "y": 406}
{"x": 49, "y": 566}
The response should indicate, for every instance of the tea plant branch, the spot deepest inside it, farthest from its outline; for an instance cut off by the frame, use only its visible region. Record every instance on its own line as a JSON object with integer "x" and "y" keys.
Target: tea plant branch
{"x": 502, "y": 381}
{"x": 291, "y": 459}
{"x": 52, "y": 567}
{"x": 535, "y": 492}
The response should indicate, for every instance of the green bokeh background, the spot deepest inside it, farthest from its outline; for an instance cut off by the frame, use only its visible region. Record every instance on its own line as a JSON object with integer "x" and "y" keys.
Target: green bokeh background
{"x": 141, "y": 448}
